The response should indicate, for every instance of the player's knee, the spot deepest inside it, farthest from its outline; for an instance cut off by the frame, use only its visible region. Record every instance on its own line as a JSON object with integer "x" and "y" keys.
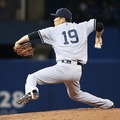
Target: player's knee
{"x": 75, "y": 96}
{"x": 30, "y": 77}
{"x": 31, "y": 80}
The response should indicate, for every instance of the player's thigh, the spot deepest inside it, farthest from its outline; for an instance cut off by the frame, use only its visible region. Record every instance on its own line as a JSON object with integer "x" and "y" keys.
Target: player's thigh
{"x": 49, "y": 75}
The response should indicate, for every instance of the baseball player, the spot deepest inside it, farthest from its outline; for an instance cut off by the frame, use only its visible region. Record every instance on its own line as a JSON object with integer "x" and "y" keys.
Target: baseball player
{"x": 69, "y": 41}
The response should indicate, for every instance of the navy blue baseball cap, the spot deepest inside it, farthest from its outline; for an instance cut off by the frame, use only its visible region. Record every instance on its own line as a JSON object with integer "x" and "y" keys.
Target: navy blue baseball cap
{"x": 63, "y": 12}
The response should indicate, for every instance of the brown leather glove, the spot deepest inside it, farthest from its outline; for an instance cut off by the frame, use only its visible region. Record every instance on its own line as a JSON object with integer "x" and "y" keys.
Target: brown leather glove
{"x": 24, "y": 49}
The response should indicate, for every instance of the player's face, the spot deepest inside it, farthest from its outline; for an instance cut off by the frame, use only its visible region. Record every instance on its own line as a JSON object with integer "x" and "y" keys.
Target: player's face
{"x": 58, "y": 21}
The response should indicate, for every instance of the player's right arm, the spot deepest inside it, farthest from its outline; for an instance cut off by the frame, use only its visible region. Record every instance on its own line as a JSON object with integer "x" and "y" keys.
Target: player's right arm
{"x": 92, "y": 25}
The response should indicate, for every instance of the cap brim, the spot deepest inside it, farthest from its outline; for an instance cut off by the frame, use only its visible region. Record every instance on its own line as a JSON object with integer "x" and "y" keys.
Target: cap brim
{"x": 53, "y": 14}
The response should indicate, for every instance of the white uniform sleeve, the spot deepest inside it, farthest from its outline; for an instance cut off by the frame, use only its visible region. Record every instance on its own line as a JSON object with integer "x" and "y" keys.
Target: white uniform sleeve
{"x": 91, "y": 25}
{"x": 45, "y": 35}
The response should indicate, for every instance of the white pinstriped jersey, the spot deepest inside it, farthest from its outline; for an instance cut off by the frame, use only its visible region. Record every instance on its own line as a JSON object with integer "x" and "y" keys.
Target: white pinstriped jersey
{"x": 69, "y": 40}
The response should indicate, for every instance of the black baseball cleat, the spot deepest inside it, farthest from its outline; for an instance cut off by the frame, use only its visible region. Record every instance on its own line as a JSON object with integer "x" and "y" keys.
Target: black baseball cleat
{"x": 28, "y": 97}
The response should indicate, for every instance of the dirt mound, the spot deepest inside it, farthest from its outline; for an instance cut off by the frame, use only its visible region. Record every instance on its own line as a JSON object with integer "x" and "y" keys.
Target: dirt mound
{"x": 72, "y": 114}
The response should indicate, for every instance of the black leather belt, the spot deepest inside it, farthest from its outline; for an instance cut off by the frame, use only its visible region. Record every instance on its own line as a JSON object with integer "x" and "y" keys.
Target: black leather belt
{"x": 69, "y": 62}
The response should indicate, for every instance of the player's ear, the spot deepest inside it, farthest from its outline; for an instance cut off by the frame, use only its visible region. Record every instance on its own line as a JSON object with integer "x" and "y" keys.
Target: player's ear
{"x": 62, "y": 19}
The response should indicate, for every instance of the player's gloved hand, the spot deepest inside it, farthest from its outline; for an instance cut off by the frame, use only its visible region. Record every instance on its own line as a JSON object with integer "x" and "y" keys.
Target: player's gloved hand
{"x": 24, "y": 49}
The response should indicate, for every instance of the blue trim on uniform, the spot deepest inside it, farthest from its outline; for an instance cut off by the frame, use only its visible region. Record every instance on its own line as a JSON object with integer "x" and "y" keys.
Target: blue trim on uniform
{"x": 99, "y": 26}
{"x": 40, "y": 37}
{"x": 33, "y": 35}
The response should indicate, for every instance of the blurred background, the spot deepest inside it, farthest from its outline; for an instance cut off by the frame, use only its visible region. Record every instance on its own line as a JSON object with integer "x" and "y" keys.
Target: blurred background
{"x": 101, "y": 75}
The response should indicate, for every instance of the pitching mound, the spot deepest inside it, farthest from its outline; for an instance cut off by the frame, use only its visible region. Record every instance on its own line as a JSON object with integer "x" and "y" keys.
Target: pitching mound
{"x": 72, "y": 114}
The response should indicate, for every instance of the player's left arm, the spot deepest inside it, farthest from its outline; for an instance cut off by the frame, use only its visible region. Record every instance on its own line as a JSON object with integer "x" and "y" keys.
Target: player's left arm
{"x": 27, "y": 38}
{"x": 98, "y": 37}
{"x": 23, "y": 46}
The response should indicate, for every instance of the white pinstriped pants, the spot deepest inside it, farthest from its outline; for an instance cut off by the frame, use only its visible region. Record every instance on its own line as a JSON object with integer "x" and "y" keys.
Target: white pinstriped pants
{"x": 70, "y": 75}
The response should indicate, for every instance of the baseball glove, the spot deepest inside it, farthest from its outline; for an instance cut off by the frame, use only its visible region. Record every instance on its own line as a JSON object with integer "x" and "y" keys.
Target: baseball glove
{"x": 24, "y": 49}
